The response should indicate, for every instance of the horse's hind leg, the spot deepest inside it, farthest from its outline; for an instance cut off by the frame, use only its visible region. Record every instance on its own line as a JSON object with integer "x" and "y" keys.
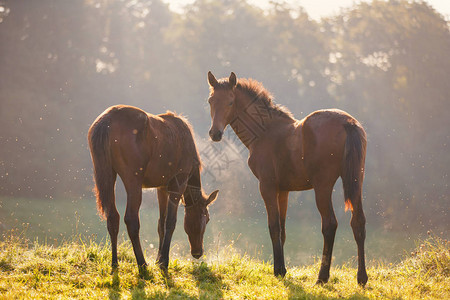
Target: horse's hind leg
{"x": 134, "y": 199}
{"x": 105, "y": 188}
{"x": 112, "y": 221}
{"x": 175, "y": 190}
{"x": 329, "y": 226}
{"x": 358, "y": 223}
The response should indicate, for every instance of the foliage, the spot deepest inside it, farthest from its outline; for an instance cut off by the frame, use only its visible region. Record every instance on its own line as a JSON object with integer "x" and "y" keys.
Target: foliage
{"x": 80, "y": 269}
{"x": 385, "y": 62}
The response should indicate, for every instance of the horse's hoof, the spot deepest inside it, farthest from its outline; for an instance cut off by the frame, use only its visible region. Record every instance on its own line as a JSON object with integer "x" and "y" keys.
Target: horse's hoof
{"x": 362, "y": 278}
{"x": 280, "y": 272}
{"x": 143, "y": 272}
{"x": 114, "y": 269}
{"x": 163, "y": 265}
{"x": 324, "y": 275}
{"x": 321, "y": 281}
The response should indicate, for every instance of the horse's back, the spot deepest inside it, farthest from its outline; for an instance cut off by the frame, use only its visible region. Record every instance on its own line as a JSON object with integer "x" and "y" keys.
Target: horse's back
{"x": 132, "y": 125}
{"x": 154, "y": 147}
{"x": 327, "y": 127}
{"x": 324, "y": 137}
{"x": 125, "y": 117}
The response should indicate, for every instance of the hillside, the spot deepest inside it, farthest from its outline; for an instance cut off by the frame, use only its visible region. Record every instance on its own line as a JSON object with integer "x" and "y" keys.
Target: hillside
{"x": 80, "y": 269}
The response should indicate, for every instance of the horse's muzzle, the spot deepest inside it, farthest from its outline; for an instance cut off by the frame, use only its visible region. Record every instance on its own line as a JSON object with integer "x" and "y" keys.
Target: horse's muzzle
{"x": 215, "y": 135}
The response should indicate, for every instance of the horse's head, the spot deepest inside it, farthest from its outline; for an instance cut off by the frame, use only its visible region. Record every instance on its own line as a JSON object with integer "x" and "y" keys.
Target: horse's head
{"x": 221, "y": 100}
{"x": 195, "y": 219}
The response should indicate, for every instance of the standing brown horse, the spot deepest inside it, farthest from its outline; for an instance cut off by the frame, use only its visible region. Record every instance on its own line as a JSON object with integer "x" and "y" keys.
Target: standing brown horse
{"x": 148, "y": 151}
{"x": 286, "y": 154}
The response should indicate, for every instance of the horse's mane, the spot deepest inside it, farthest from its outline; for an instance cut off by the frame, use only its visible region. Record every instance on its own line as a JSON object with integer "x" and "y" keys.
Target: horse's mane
{"x": 256, "y": 90}
{"x": 182, "y": 129}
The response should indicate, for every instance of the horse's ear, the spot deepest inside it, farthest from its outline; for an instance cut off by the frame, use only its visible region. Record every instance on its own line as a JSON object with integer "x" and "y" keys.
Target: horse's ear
{"x": 232, "y": 80}
{"x": 212, "y": 197}
{"x": 212, "y": 80}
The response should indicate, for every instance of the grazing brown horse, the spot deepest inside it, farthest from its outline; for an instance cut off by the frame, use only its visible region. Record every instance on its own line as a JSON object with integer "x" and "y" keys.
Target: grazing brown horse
{"x": 286, "y": 154}
{"x": 148, "y": 151}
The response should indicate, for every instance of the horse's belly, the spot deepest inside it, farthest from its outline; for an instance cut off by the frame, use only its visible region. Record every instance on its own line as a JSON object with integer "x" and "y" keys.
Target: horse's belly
{"x": 153, "y": 182}
{"x": 292, "y": 176}
{"x": 295, "y": 181}
{"x": 160, "y": 173}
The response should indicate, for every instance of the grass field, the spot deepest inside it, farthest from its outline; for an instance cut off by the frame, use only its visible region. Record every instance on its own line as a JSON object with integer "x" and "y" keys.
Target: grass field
{"x": 81, "y": 269}
{"x": 56, "y": 220}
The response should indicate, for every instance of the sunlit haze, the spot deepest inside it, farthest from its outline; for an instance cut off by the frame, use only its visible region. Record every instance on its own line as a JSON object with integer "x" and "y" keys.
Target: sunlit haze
{"x": 317, "y": 9}
{"x": 283, "y": 98}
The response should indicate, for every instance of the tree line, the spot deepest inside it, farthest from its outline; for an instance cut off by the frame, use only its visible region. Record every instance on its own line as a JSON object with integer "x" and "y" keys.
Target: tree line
{"x": 385, "y": 62}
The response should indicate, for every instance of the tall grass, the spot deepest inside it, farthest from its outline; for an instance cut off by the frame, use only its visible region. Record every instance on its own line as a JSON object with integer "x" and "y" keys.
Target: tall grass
{"x": 431, "y": 258}
{"x": 80, "y": 268}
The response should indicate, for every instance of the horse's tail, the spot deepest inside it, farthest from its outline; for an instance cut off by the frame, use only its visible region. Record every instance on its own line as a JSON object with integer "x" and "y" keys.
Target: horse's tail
{"x": 353, "y": 164}
{"x": 104, "y": 175}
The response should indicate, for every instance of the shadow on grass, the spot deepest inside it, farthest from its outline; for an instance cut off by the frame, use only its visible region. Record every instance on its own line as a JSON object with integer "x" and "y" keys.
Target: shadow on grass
{"x": 114, "y": 289}
{"x": 147, "y": 277}
{"x": 297, "y": 291}
{"x": 209, "y": 283}
{"x": 137, "y": 290}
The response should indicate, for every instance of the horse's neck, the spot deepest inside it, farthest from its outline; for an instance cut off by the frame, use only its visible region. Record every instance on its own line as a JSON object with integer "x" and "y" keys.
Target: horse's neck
{"x": 252, "y": 119}
{"x": 194, "y": 188}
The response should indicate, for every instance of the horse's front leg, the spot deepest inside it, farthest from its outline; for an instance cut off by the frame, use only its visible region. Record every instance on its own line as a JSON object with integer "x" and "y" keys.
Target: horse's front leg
{"x": 163, "y": 197}
{"x": 283, "y": 197}
{"x": 269, "y": 194}
{"x": 175, "y": 190}
{"x": 169, "y": 227}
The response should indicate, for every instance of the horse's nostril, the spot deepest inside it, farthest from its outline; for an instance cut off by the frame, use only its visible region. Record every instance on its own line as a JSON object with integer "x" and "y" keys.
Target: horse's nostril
{"x": 215, "y": 136}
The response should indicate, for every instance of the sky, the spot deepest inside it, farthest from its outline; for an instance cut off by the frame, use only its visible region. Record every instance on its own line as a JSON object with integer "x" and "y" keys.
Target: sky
{"x": 317, "y": 9}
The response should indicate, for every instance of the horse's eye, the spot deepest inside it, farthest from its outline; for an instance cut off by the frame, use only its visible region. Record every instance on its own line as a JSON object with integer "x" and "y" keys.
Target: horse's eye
{"x": 231, "y": 103}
